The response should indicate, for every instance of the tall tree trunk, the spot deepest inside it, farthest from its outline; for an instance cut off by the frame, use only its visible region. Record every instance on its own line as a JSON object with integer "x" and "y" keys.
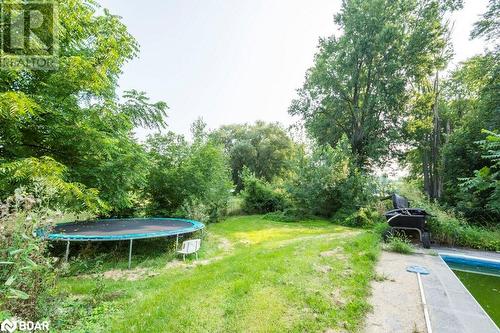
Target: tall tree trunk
{"x": 435, "y": 158}
{"x": 426, "y": 171}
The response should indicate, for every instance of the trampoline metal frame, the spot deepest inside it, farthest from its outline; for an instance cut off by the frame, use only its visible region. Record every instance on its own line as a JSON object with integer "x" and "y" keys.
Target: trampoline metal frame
{"x": 80, "y": 238}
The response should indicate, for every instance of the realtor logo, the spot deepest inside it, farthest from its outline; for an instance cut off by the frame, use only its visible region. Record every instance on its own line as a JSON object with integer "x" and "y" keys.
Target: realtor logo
{"x": 8, "y": 326}
{"x": 28, "y": 35}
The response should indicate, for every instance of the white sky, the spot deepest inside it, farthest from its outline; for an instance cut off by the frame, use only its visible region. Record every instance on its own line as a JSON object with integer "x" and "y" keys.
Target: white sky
{"x": 234, "y": 61}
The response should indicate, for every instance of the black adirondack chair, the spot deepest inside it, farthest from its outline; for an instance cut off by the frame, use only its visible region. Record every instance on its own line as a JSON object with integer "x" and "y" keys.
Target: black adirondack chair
{"x": 403, "y": 217}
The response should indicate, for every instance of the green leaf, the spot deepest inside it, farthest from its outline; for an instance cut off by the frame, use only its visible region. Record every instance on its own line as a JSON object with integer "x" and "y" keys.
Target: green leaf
{"x": 18, "y": 294}
{"x": 14, "y": 252}
{"x": 10, "y": 280}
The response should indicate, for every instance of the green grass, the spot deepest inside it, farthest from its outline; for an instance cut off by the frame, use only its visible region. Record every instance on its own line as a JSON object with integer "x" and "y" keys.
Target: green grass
{"x": 258, "y": 276}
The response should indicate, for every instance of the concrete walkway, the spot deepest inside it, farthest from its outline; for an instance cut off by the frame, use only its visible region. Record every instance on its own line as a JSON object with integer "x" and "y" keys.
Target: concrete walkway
{"x": 396, "y": 300}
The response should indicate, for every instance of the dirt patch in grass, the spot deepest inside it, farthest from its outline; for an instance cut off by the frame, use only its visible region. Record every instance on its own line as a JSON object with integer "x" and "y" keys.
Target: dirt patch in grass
{"x": 119, "y": 274}
{"x": 337, "y": 298}
{"x": 142, "y": 273}
{"x": 224, "y": 244}
{"x": 322, "y": 268}
{"x": 337, "y": 252}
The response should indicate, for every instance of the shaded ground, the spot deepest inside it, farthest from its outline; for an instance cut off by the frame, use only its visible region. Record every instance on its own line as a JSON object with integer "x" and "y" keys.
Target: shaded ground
{"x": 253, "y": 275}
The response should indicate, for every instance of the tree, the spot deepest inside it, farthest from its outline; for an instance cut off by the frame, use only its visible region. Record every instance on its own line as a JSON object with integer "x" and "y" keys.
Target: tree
{"x": 472, "y": 102}
{"x": 73, "y": 116}
{"x": 187, "y": 179}
{"x": 361, "y": 80}
{"x": 489, "y": 24}
{"x": 480, "y": 195}
{"x": 325, "y": 181}
{"x": 263, "y": 148}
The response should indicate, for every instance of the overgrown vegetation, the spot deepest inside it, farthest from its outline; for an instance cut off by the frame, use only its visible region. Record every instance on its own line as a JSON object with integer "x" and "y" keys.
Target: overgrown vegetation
{"x": 262, "y": 148}
{"x": 448, "y": 228}
{"x": 378, "y": 91}
{"x": 400, "y": 244}
{"x": 260, "y": 197}
{"x": 27, "y": 271}
{"x": 187, "y": 180}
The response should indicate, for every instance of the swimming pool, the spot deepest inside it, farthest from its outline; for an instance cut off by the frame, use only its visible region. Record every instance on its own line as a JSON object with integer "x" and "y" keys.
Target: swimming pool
{"x": 481, "y": 276}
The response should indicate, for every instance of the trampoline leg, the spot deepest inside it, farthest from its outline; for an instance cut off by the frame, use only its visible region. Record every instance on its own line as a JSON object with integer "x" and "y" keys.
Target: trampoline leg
{"x": 66, "y": 255}
{"x": 130, "y": 254}
{"x": 176, "y": 242}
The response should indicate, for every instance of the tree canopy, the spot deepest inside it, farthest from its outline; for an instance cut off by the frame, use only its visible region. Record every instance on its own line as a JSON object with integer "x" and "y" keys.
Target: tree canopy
{"x": 361, "y": 80}
{"x": 263, "y": 148}
{"x": 72, "y": 115}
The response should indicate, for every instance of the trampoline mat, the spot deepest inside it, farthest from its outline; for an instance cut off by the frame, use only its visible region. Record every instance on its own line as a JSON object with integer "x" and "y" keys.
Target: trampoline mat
{"x": 122, "y": 227}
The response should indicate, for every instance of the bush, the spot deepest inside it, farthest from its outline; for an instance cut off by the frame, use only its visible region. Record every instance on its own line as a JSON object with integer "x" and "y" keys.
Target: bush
{"x": 399, "y": 244}
{"x": 283, "y": 216}
{"x": 234, "y": 205}
{"x": 326, "y": 180}
{"x": 260, "y": 197}
{"x": 479, "y": 196}
{"x": 449, "y": 229}
{"x": 381, "y": 229}
{"x": 26, "y": 270}
{"x": 187, "y": 180}
{"x": 365, "y": 217}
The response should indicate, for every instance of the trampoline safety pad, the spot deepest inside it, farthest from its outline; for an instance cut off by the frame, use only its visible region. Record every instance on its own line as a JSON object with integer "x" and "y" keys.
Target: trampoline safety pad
{"x": 119, "y": 229}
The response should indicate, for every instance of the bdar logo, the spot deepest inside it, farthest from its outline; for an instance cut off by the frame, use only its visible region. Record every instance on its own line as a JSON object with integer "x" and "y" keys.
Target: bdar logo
{"x": 8, "y": 326}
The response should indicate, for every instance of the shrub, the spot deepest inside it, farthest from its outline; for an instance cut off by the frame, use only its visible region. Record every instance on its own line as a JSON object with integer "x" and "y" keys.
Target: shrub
{"x": 399, "y": 244}
{"x": 187, "y": 179}
{"x": 365, "y": 217}
{"x": 381, "y": 229}
{"x": 26, "y": 271}
{"x": 449, "y": 229}
{"x": 283, "y": 216}
{"x": 326, "y": 180}
{"x": 479, "y": 196}
{"x": 234, "y": 205}
{"x": 259, "y": 196}
{"x": 195, "y": 210}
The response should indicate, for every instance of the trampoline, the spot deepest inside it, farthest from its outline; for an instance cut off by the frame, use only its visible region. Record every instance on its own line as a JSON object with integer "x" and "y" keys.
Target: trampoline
{"x": 120, "y": 229}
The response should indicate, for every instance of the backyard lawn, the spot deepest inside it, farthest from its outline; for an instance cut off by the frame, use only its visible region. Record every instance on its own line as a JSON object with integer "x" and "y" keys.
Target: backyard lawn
{"x": 253, "y": 275}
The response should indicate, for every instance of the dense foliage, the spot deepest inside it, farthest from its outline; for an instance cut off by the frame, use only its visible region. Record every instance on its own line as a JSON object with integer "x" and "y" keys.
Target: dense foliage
{"x": 321, "y": 182}
{"x": 480, "y": 195}
{"x": 72, "y": 116}
{"x": 450, "y": 229}
{"x": 260, "y": 197}
{"x": 326, "y": 180}
{"x": 27, "y": 271}
{"x": 187, "y": 180}
{"x": 359, "y": 84}
{"x": 263, "y": 148}
{"x": 377, "y": 90}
